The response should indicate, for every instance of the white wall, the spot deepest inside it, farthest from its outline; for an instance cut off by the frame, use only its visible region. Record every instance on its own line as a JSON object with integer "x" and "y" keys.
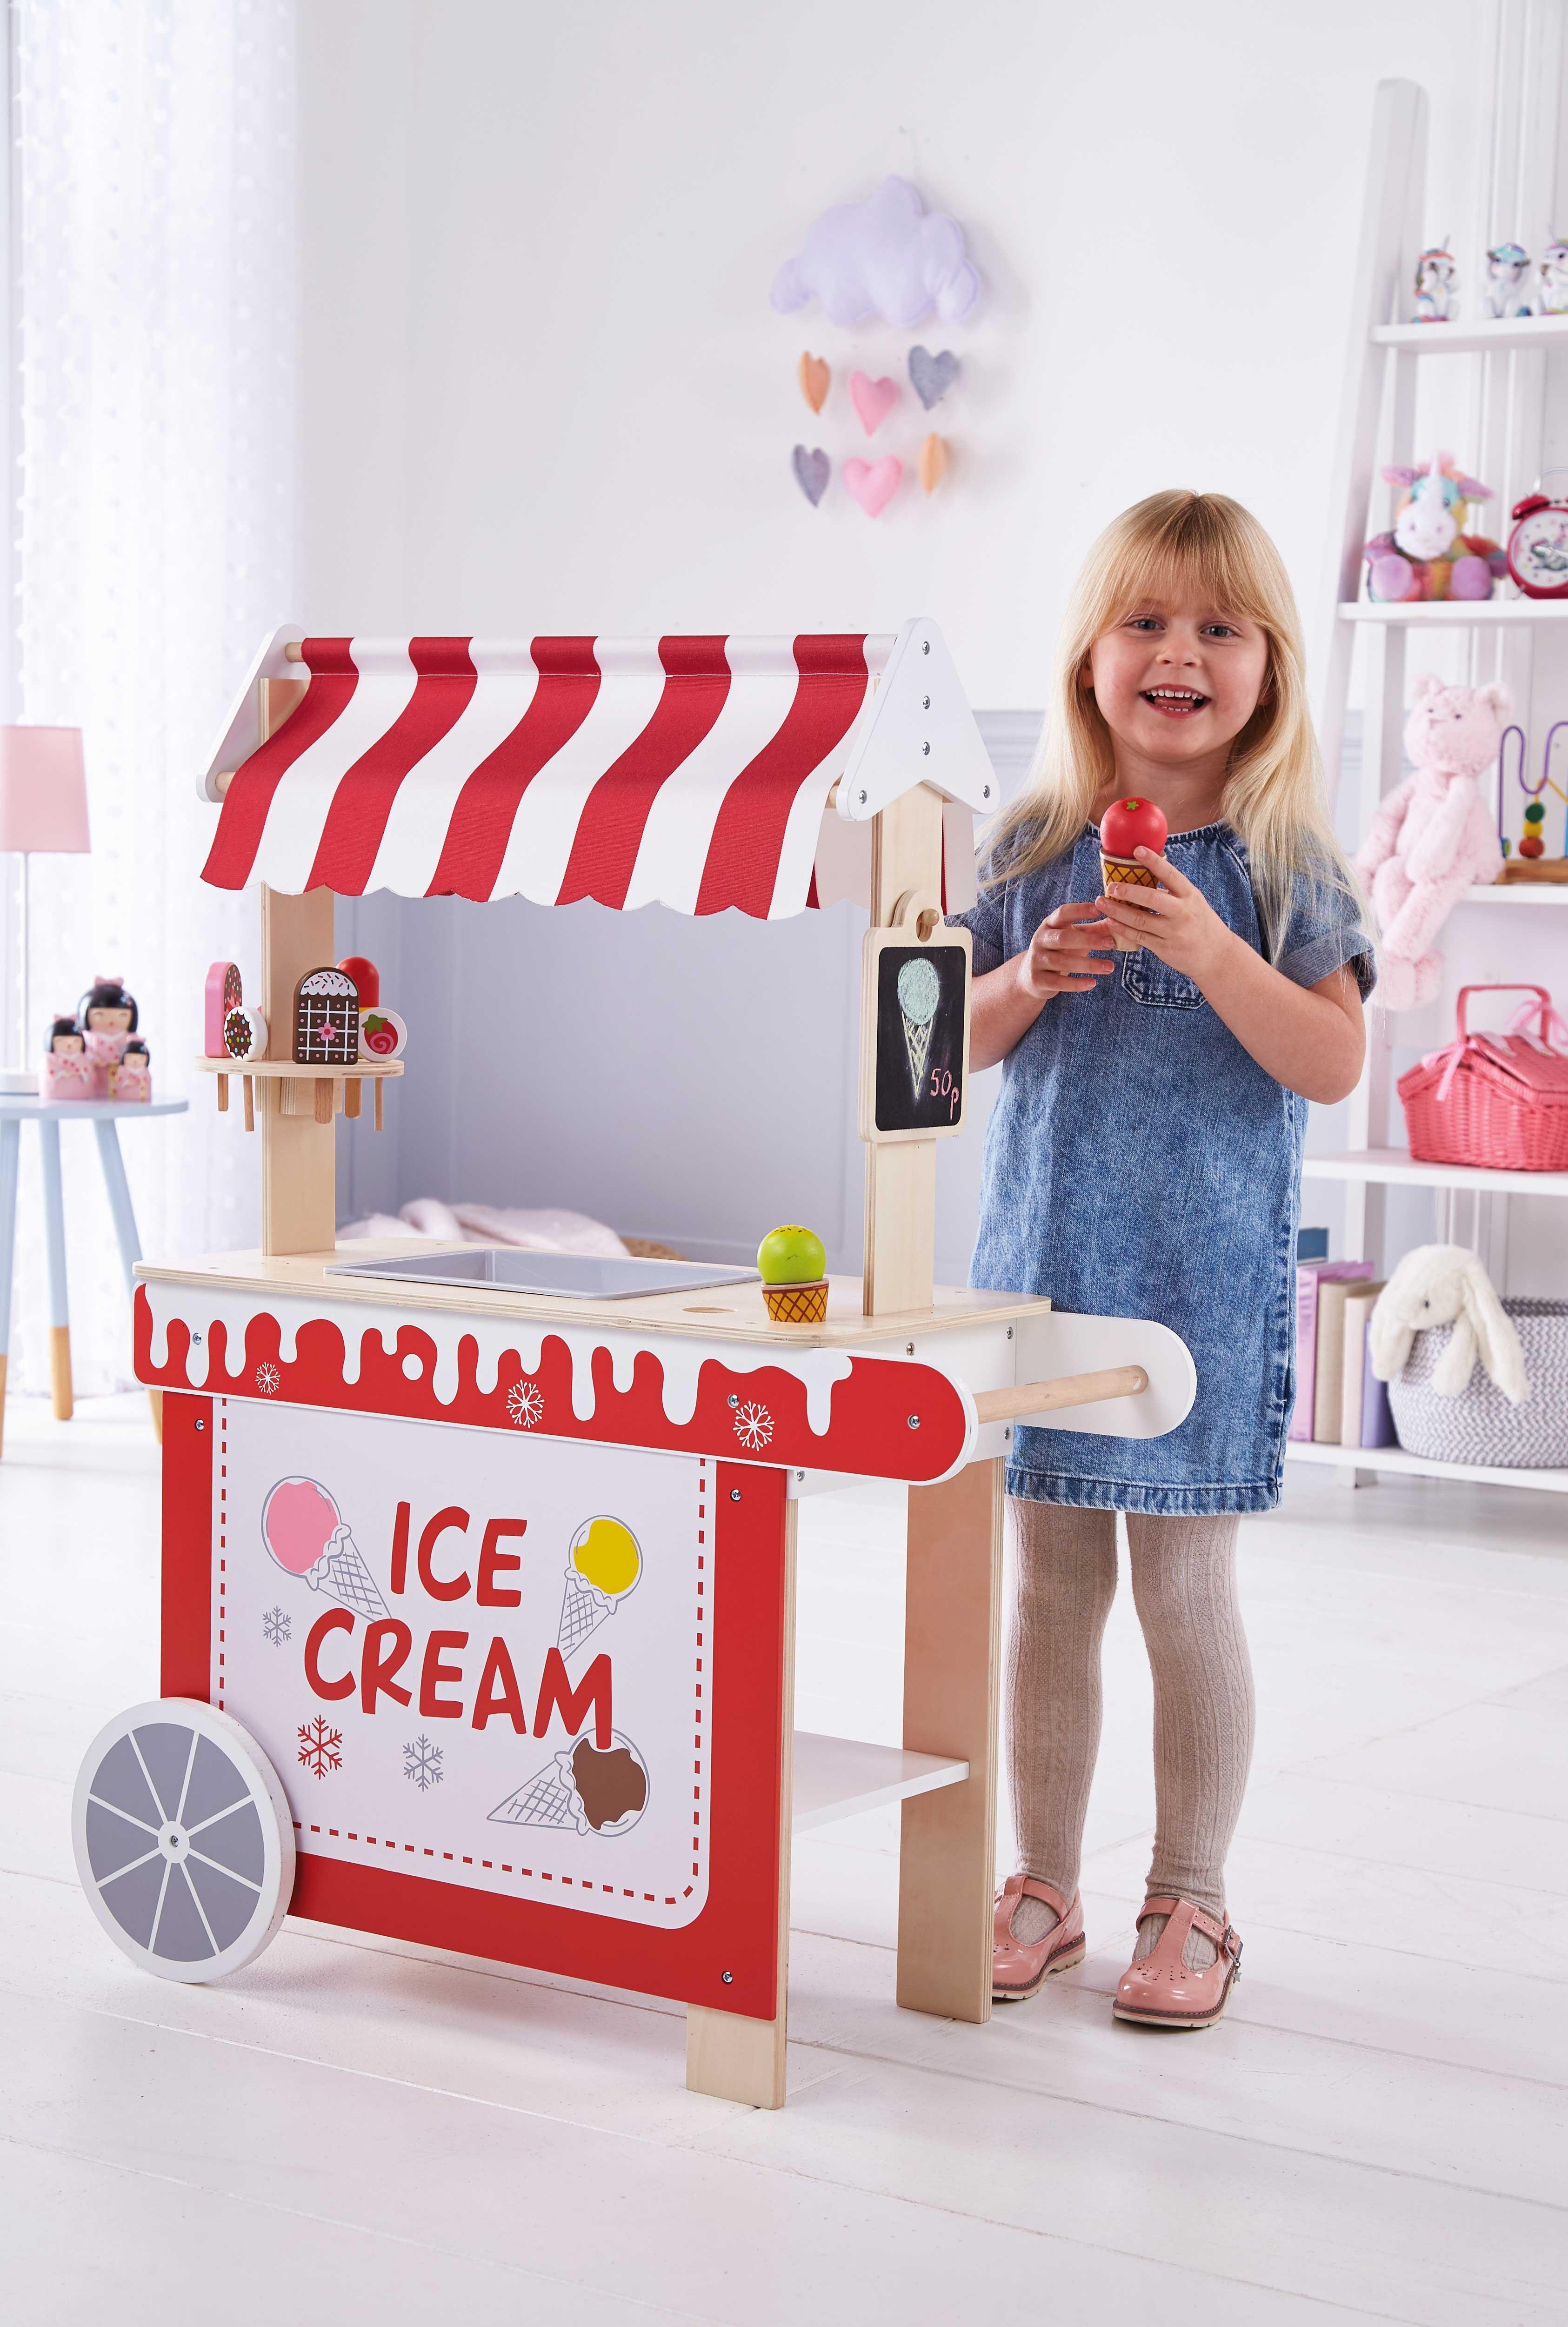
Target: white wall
{"x": 543, "y": 389}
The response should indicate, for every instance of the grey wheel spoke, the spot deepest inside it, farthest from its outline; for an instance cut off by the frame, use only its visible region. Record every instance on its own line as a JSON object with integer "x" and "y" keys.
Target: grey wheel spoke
{"x": 128, "y": 1868}
{"x": 228, "y": 1871}
{"x": 122, "y": 1814}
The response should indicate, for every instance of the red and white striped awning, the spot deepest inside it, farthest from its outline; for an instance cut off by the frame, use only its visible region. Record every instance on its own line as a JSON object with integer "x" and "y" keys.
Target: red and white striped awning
{"x": 693, "y": 771}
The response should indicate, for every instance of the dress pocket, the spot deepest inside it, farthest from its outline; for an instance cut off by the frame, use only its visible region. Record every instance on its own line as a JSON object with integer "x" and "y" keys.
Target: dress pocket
{"x": 1147, "y": 978}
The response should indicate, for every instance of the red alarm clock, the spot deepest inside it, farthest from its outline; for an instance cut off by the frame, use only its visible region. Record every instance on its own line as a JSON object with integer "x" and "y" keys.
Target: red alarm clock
{"x": 1538, "y": 546}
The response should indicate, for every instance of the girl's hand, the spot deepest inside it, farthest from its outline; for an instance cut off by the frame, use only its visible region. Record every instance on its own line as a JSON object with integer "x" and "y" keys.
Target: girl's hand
{"x": 1176, "y": 921}
{"x": 1069, "y": 950}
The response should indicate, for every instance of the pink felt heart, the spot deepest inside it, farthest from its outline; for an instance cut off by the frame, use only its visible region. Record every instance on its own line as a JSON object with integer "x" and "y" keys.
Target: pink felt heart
{"x": 873, "y": 484}
{"x": 872, "y": 399}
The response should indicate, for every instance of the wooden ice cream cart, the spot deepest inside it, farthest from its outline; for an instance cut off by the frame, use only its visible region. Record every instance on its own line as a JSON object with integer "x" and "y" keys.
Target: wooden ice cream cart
{"x": 478, "y": 1615}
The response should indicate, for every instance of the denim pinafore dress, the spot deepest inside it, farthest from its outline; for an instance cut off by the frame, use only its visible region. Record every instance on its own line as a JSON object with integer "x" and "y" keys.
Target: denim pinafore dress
{"x": 1140, "y": 1164}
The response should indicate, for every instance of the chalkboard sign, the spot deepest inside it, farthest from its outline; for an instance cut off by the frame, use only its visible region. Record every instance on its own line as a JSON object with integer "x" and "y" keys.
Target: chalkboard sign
{"x": 915, "y": 1046}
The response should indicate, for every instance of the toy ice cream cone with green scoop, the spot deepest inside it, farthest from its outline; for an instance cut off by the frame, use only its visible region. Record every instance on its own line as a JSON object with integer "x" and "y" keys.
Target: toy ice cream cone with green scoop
{"x": 792, "y": 1264}
{"x": 1126, "y": 824}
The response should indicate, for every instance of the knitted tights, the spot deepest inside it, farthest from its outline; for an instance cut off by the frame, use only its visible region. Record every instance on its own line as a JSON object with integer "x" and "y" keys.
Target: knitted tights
{"x": 1184, "y": 1591}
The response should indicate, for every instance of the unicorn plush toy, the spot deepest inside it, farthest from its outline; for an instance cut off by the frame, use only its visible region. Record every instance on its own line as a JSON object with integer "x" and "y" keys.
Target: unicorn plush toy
{"x": 1429, "y": 553}
{"x": 1436, "y": 286}
{"x": 1507, "y": 279}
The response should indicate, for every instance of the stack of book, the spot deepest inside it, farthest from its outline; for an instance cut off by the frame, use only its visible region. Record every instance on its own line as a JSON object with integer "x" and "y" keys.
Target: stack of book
{"x": 1340, "y": 1400}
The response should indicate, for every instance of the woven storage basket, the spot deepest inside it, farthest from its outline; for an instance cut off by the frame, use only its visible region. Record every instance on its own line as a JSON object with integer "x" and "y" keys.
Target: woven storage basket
{"x": 1480, "y": 1426}
{"x": 1499, "y": 1100}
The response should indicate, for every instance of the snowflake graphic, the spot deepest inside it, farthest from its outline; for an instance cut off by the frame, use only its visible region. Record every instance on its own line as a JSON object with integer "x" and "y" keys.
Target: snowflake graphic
{"x": 524, "y": 1403}
{"x": 267, "y": 1379}
{"x": 320, "y": 1747}
{"x": 422, "y": 1763}
{"x": 753, "y": 1427}
{"x": 278, "y": 1624}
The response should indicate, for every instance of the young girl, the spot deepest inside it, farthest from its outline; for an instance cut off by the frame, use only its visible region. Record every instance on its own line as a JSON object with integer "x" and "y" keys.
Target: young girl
{"x": 1144, "y": 1161}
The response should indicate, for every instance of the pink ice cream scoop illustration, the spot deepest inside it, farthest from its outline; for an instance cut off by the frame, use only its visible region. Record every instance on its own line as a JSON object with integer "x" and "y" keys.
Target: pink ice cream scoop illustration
{"x": 304, "y": 1532}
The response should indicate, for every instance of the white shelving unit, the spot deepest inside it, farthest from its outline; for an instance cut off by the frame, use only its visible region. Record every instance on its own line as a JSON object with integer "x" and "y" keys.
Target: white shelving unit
{"x": 1378, "y": 425}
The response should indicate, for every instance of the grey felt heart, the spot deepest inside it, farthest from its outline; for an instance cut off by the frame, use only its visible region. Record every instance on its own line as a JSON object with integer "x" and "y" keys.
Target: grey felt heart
{"x": 812, "y": 470}
{"x": 932, "y": 375}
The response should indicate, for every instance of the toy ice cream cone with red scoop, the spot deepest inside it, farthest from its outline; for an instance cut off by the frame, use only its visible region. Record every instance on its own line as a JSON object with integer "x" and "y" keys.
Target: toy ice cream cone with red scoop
{"x": 303, "y": 1530}
{"x": 1129, "y": 824}
{"x": 792, "y": 1262}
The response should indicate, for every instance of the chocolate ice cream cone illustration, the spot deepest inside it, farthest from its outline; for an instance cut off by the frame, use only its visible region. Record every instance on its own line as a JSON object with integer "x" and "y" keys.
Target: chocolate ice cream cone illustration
{"x": 604, "y": 1564}
{"x": 1125, "y": 870}
{"x": 305, "y": 1533}
{"x": 596, "y": 1790}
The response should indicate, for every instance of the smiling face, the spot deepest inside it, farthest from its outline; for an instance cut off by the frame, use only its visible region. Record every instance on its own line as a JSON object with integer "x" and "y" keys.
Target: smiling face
{"x": 1176, "y": 682}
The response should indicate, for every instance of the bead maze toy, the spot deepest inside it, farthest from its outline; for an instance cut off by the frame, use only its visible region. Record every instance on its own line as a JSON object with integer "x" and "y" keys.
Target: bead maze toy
{"x": 479, "y": 1598}
{"x": 1526, "y": 858}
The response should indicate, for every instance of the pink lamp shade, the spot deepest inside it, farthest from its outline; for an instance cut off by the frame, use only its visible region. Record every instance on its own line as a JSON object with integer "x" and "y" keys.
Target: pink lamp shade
{"x": 42, "y": 792}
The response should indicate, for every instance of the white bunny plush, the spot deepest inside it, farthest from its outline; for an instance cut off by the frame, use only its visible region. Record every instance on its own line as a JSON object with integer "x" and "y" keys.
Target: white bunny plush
{"x": 1444, "y": 1284}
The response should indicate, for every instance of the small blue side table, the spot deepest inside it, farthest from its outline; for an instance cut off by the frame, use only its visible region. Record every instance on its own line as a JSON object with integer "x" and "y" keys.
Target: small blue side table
{"x": 103, "y": 1113}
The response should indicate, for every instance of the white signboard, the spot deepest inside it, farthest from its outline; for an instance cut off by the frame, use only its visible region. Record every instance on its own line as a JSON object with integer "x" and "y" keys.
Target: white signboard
{"x": 471, "y": 1658}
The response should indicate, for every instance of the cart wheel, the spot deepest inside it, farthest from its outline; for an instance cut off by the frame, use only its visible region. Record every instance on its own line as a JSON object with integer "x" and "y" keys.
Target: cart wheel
{"x": 183, "y": 1839}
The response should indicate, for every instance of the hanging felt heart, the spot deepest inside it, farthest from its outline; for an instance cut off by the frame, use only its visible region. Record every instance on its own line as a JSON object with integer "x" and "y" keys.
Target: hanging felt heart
{"x": 872, "y": 399}
{"x": 932, "y": 375}
{"x": 812, "y": 470}
{"x": 932, "y": 466}
{"x": 873, "y": 484}
{"x": 813, "y": 377}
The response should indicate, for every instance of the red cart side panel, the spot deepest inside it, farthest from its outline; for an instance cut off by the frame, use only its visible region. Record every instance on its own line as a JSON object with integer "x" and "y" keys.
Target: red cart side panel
{"x": 875, "y": 1416}
{"x": 742, "y": 1678}
{"x": 189, "y": 1509}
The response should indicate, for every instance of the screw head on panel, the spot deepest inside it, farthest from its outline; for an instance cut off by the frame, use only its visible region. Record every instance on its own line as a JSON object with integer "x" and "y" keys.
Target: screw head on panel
{"x": 734, "y": 1494}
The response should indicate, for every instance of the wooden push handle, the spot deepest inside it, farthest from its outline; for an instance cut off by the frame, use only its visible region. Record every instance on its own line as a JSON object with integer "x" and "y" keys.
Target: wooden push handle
{"x": 1067, "y": 1389}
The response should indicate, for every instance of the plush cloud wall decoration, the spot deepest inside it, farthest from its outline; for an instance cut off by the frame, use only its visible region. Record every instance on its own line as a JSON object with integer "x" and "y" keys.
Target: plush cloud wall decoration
{"x": 888, "y": 257}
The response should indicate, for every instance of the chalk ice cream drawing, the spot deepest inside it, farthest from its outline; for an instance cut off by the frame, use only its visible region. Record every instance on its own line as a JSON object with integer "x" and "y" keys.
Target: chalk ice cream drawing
{"x": 604, "y": 1564}
{"x": 304, "y": 1532}
{"x": 920, "y": 991}
{"x": 584, "y": 1789}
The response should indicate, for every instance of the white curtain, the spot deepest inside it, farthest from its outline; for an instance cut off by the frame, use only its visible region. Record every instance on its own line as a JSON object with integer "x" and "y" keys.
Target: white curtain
{"x": 155, "y": 302}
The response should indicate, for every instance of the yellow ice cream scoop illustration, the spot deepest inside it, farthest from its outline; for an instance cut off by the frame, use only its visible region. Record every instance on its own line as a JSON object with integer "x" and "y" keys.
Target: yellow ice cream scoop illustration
{"x": 604, "y": 1562}
{"x": 605, "y": 1553}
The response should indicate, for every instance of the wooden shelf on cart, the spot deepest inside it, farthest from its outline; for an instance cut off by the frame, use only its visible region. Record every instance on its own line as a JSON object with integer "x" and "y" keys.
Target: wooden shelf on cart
{"x": 1398, "y": 1464}
{"x": 839, "y": 1777}
{"x": 730, "y": 1312}
{"x": 289, "y": 1070}
{"x": 1395, "y": 1169}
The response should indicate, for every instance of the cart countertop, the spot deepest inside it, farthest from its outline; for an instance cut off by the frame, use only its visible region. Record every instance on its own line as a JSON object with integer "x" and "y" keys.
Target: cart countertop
{"x": 727, "y": 1312}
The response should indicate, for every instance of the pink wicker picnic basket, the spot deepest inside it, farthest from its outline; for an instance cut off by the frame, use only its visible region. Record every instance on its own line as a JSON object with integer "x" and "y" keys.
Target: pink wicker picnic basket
{"x": 1498, "y": 1101}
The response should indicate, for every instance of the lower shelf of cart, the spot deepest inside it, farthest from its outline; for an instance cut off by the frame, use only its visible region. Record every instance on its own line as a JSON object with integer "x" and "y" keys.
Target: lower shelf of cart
{"x": 837, "y": 1776}
{"x": 1395, "y": 1459}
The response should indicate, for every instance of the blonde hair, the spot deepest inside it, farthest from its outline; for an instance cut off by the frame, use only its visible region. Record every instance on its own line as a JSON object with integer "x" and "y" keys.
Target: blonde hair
{"x": 1275, "y": 794}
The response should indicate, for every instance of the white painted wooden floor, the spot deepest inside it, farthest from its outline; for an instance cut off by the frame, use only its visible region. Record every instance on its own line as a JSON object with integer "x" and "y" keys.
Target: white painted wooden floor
{"x": 354, "y": 2132}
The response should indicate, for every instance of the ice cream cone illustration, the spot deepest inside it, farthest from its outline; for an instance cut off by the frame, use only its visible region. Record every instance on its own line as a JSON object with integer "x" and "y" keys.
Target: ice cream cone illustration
{"x": 603, "y": 1564}
{"x": 304, "y": 1532}
{"x": 919, "y": 990}
{"x": 594, "y": 1790}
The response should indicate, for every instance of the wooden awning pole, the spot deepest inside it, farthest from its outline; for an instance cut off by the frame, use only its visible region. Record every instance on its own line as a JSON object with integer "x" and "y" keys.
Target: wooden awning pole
{"x": 299, "y": 1191}
{"x": 900, "y": 1179}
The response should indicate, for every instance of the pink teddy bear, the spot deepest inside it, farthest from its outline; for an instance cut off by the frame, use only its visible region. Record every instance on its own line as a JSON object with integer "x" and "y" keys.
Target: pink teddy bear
{"x": 1434, "y": 837}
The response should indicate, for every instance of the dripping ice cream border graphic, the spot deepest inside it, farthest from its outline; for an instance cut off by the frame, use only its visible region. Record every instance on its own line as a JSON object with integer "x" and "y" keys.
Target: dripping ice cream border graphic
{"x": 433, "y": 1372}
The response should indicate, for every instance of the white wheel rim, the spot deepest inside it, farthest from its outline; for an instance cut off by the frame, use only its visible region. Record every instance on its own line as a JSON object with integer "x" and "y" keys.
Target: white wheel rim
{"x": 184, "y": 1844}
